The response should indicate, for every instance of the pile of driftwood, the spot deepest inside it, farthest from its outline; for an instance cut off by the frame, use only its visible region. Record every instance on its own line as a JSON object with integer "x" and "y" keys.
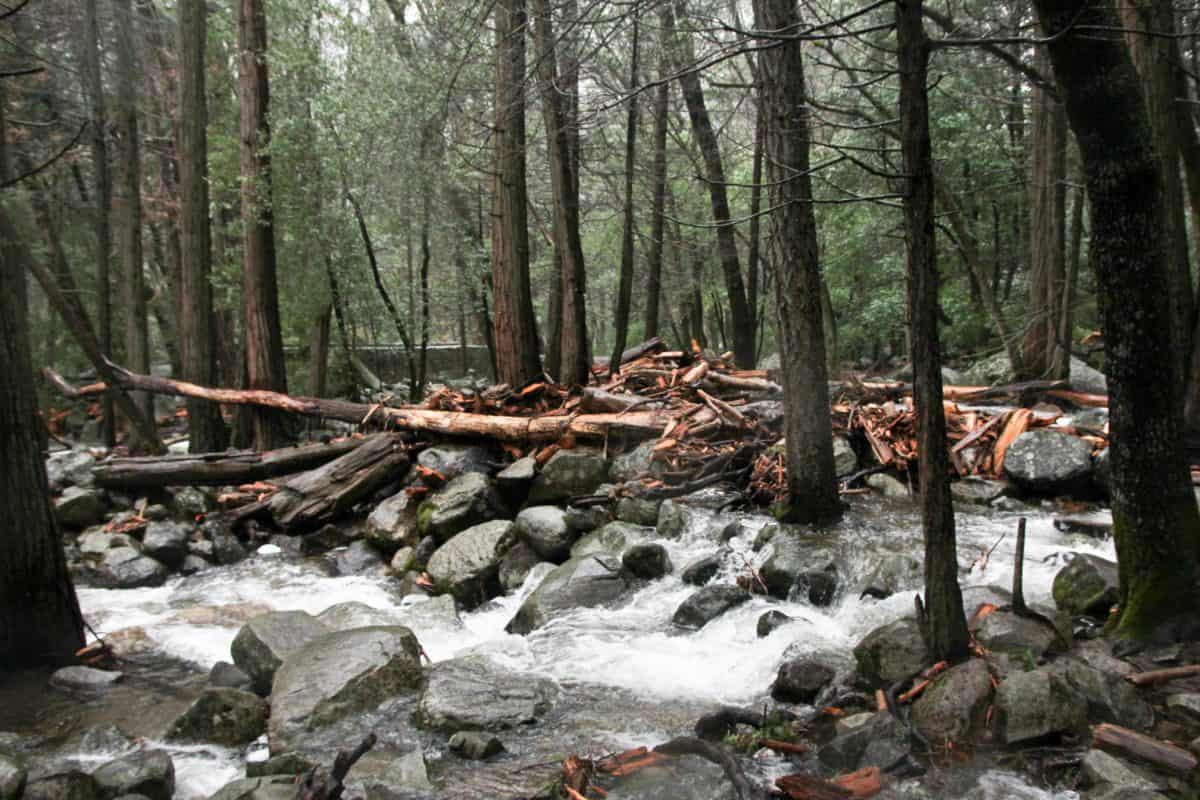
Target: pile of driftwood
{"x": 707, "y": 417}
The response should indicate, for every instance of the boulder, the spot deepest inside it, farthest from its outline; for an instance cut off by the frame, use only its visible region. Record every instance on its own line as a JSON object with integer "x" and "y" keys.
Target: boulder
{"x": 80, "y": 507}
{"x": 891, "y": 573}
{"x": 266, "y": 787}
{"x": 403, "y": 560}
{"x": 707, "y": 604}
{"x": 1085, "y": 378}
{"x": 792, "y": 554}
{"x": 452, "y": 460}
{"x": 673, "y": 519}
{"x": 359, "y": 559}
{"x": 468, "y": 565}
{"x": 431, "y": 613}
{"x": 84, "y": 679}
{"x": 387, "y": 774}
{"x": 974, "y": 490}
{"x": 12, "y": 778}
{"x": 585, "y": 519}
{"x": 227, "y": 549}
{"x": 282, "y": 764}
{"x": 845, "y": 461}
{"x": 955, "y": 704}
{"x": 338, "y": 674}
{"x": 767, "y": 412}
{"x": 1109, "y": 697}
{"x": 423, "y": 552}
{"x": 633, "y": 464}
{"x": 229, "y": 717}
{"x": 1104, "y": 771}
{"x": 353, "y": 614}
{"x": 1013, "y": 634}
{"x": 192, "y": 501}
{"x": 1096, "y": 524}
{"x": 612, "y": 539}
{"x": 891, "y": 652}
{"x": 393, "y": 523}
{"x": 475, "y": 745}
{"x": 474, "y": 693}
{"x": 150, "y": 773}
{"x": 800, "y": 680}
{"x": 649, "y": 561}
{"x": 70, "y": 785}
{"x": 1087, "y": 586}
{"x": 126, "y": 568}
{"x": 876, "y": 740}
{"x": 886, "y": 485}
{"x": 228, "y": 676}
{"x": 1185, "y": 706}
{"x": 167, "y": 542}
{"x": 702, "y": 570}
{"x": 517, "y": 476}
{"x": 817, "y": 587}
{"x": 569, "y": 473}
{"x": 638, "y": 511}
{"x": 990, "y": 371}
{"x": 265, "y": 641}
{"x": 1049, "y": 462}
{"x": 1036, "y": 704}
{"x": 516, "y": 565}
{"x": 771, "y": 621}
{"x": 69, "y": 468}
{"x": 468, "y": 500}
{"x": 583, "y": 582}
{"x": 96, "y": 541}
{"x": 544, "y": 528}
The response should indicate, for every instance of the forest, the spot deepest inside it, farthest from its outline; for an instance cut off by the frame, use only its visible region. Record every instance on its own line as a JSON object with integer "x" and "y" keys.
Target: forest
{"x": 575, "y": 399}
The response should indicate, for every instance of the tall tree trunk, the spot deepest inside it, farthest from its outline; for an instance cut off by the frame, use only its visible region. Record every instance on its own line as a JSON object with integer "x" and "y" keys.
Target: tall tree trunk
{"x": 40, "y": 623}
{"x": 1066, "y": 314}
{"x": 426, "y": 211}
{"x": 706, "y": 137}
{"x": 1156, "y": 524}
{"x": 793, "y": 257}
{"x": 129, "y": 194}
{"x": 515, "y": 326}
{"x": 262, "y": 331}
{"x": 554, "y": 317}
{"x": 576, "y": 361}
{"x": 94, "y": 89}
{"x": 318, "y": 353}
{"x": 197, "y": 335}
{"x": 659, "y": 181}
{"x": 1047, "y": 232}
{"x": 755, "y": 232}
{"x": 625, "y": 291}
{"x": 944, "y": 626}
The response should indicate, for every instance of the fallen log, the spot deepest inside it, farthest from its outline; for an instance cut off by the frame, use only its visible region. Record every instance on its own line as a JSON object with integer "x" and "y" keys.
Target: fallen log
{"x": 217, "y": 469}
{"x": 450, "y": 423}
{"x": 809, "y": 787}
{"x": 1144, "y": 748}
{"x": 1157, "y": 676}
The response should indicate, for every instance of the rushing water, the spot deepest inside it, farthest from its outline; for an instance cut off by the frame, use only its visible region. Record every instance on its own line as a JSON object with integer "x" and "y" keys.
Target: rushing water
{"x": 629, "y": 677}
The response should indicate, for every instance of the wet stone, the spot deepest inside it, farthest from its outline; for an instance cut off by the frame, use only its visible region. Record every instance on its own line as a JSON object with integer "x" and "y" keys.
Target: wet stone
{"x": 149, "y": 772}
{"x": 771, "y": 621}
{"x": 891, "y": 652}
{"x": 84, "y": 679}
{"x": 475, "y": 745}
{"x": 282, "y": 764}
{"x": 707, "y": 604}
{"x": 702, "y": 570}
{"x": 471, "y": 692}
{"x": 649, "y": 561}
{"x": 12, "y": 778}
{"x": 72, "y": 785}
{"x": 800, "y": 681}
{"x": 229, "y": 717}
{"x": 224, "y": 674}
{"x": 265, "y": 641}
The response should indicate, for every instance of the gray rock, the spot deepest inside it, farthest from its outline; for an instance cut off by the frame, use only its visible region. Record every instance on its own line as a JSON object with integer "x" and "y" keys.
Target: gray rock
{"x": 770, "y": 622}
{"x": 167, "y": 542}
{"x": 707, "y": 604}
{"x": 1086, "y": 586}
{"x": 80, "y": 507}
{"x": 148, "y": 772}
{"x": 475, "y": 745}
{"x": 282, "y": 764}
{"x": 845, "y": 461}
{"x": 324, "y": 539}
{"x": 768, "y": 412}
{"x": 1102, "y": 472}
{"x": 338, "y": 674}
{"x": 1032, "y": 705}
{"x": 12, "y": 778}
{"x": 69, "y": 468}
{"x": 466, "y": 501}
{"x": 403, "y": 560}
{"x": 265, "y": 787}
{"x": 886, "y": 485}
{"x": 1102, "y": 770}
{"x": 229, "y": 676}
{"x": 227, "y": 549}
{"x": 192, "y": 501}
{"x": 468, "y": 565}
{"x": 792, "y": 554}
{"x": 633, "y": 464}
{"x": 229, "y": 717}
{"x": 544, "y": 528}
{"x": 702, "y": 570}
{"x": 359, "y": 559}
{"x": 955, "y": 704}
{"x": 584, "y": 520}
{"x": 649, "y": 561}
{"x": 584, "y": 582}
{"x": 890, "y": 652}
{"x": 990, "y": 371}
{"x": 517, "y": 475}
{"x": 800, "y": 680}
{"x": 97, "y": 541}
{"x": 265, "y": 641}
{"x": 452, "y": 460}
{"x": 612, "y": 539}
{"x": 516, "y": 565}
{"x": 474, "y": 693}
{"x": 877, "y": 738}
{"x": 978, "y": 491}
{"x": 1107, "y": 695}
{"x": 436, "y": 613}
{"x": 193, "y": 564}
{"x": 424, "y": 551}
{"x": 392, "y": 523}
{"x": 1097, "y": 524}
{"x": 1185, "y": 705}
{"x": 126, "y": 568}
{"x": 638, "y": 511}
{"x": 817, "y": 587}
{"x": 71, "y": 785}
{"x": 157, "y": 512}
{"x": 385, "y": 774}
{"x": 891, "y": 573}
{"x": 1049, "y": 462}
{"x": 353, "y": 614}
{"x": 766, "y": 534}
{"x": 1085, "y": 378}
{"x": 1010, "y": 633}
{"x": 85, "y": 679}
{"x": 673, "y": 519}
{"x": 569, "y": 473}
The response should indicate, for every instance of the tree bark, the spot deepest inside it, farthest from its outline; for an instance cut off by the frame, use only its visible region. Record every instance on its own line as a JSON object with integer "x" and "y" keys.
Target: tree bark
{"x": 944, "y": 626}
{"x": 1156, "y": 524}
{"x": 792, "y": 254}
{"x": 515, "y": 327}
{"x": 197, "y": 335}
{"x": 625, "y": 290}
{"x": 318, "y": 353}
{"x": 40, "y": 623}
{"x": 261, "y": 328}
{"x": 659, "y": 181}
{"x": 706, "y": 137}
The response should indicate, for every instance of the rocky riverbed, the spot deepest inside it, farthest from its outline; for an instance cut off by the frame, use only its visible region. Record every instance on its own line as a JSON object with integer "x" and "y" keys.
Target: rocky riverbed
{"x": 490, "y": 630}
